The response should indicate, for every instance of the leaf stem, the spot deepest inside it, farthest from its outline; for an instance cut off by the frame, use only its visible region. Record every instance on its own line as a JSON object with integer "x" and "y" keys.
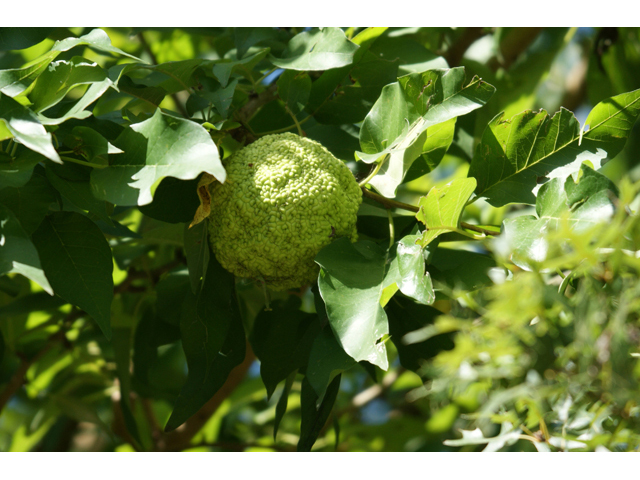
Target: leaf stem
{"x": 257, "y": 82}
{"x": 373, "y": 173}
{"x": 390, "y": 203}
{"x": 295, "y": 120}
{"x": 82, "y": 162}
{"x": 392, "y": 235}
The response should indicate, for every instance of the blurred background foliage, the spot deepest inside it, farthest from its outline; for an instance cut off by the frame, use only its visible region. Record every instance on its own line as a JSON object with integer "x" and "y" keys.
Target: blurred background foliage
{"x": 544, "y": 359}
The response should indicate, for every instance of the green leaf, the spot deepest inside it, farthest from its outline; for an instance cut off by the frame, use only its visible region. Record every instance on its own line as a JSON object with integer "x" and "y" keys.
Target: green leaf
{"x": 441, "y": 209}
{"x": 17, "y": 252}
{"x": 26, "y": 128}
{"x": 158, "y": 147}
{"x": 77, "y": 110}
{"x": 76, "y": 259}
{"x": 294, "y": 88}
{"x": 90, "y": 145}
{"x": 317, "y": 50}
{"x": 171, "y": 291}
{"x": 223, "y": 69}
{"x": 15, "y": 81}
{"x": 281, "y": 339}
{"x": 583, "y": 205}
{"x": 327, "y": 360}
{"x": 65, "y": 75}
{"x": 412, "y": 57}
{"x": 281, "y": 406}
{"x": 514, "y": 153}
{"x": 406, "y": 316}
{"x": 394, "y": 130}
{"x": 213, "y": 340}
{"x": 439, "y": 138}
{"x": 412, "y": 279}
{"x": 314, "y": 416}
{"x": 16, "y": 172}
{"x": 17, "y": 38}
{"x": 174, "y": 201}
{"x": 196, "y": 249}
{"x": 459, "y": 269}
{"x": 245, "y": 37}
{"x": 77, "y": 189}
{"x": 30, "y": 202}
{"x": 351, "y": 284}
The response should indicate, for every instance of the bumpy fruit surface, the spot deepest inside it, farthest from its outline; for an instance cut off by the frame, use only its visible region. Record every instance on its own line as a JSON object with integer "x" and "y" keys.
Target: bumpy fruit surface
{"x": 284, "y": 199}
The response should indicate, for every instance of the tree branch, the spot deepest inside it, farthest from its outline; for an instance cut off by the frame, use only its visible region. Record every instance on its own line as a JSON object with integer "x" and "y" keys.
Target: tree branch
{"x": 180, "y": 439}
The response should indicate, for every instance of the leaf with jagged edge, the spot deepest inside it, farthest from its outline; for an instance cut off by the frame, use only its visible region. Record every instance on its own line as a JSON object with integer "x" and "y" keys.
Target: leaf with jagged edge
{"x": 515, "y": 153}
{"x": 394, "y": 130}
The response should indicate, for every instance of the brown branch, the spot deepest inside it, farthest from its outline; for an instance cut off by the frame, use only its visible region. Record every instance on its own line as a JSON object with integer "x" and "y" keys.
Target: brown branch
{"x": 456, "y": 51}
{"x": 180, "y": 439}
{"x": 515, "y": 42}
{"x": 17, "y": 380}
{"x": 390, "y": 203}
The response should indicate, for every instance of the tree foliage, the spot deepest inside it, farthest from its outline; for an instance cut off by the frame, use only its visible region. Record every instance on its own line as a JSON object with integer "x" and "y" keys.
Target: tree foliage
{"x": 490, "y": 302}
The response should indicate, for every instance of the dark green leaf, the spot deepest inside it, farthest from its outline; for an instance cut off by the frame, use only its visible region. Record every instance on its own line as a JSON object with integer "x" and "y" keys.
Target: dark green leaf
{"x": 245, "y": 37}
{"x": 313, "y": 416}
{"x": 78, "y": 191}
{"x": 30, "y": 202}
{"x": 459, "y": 269}
{"x": 406, "y": 316}
{"x": 196, "y": 249}
{"x": 294, "y": 88}
{"x": 17, "y": 38}
{"x": 76, "y": 259}
{"x": 156, "y": 148}
{"x": 17, "y": 253}
{"x": 174, "y": 201}
{"x": 281, "y": 407}
{"x": 171, "y": 291}
{"x": 223, "y": 69}
{"x": 347, "y": 94}
{"x": 281, "y": 339}
{"x": 351, "y": 284}
{"x": 15, "y": 172}
{"x": 317, "y": 50}
{"x": 326, "y": 361}
{"x": 213, "y": 340}
{"x": 412, "y": 57}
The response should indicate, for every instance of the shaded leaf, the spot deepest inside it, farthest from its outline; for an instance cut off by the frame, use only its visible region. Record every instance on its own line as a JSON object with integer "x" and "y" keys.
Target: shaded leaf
{"x": 158, "y": 147}
{"x": 224, "y": 69}
{"x": 281, "y": 339}
{"x": 317, "y": 50}
{"x": 30, "y": 202}
{"x": 327, "y": 360}
{"x": 196, "y": 249}
{"x": 294, "y": 88}
{"x": 76, "y": 259}
{"x": 17, "y": 38}
{"x": 174, "y": 201}
{"x": 406, "y": 316}
{"x": 213, "y": 340}
{"x": 17, "y": 252}
{"x": 315, "y": 416}
{"x": 281, "y": 406}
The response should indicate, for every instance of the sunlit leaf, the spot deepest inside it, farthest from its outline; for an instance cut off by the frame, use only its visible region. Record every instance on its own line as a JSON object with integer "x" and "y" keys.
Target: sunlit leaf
{"x": 156, "y": 148}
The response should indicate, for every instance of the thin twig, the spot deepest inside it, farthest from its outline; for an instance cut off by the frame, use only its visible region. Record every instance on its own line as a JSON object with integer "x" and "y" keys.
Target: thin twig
{"x": 390, "y": 203}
